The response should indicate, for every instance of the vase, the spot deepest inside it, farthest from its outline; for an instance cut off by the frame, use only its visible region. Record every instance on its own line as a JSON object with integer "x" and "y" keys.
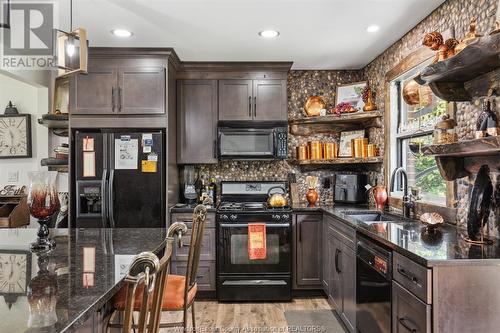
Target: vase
{"x": 380, "y": 196}
{"x": 43, "y": 203}
{"x": 42, "y": 296}
{"x": 369, "y": 105}
{"x": 312, "y": 196}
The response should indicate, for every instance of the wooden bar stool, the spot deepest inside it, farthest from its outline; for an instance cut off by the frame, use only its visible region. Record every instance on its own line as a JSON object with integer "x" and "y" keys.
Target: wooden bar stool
{"x": 178, "y": 291}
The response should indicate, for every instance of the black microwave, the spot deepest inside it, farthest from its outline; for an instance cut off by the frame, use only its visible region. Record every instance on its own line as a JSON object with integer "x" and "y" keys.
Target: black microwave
{"x": 253, "y": 141}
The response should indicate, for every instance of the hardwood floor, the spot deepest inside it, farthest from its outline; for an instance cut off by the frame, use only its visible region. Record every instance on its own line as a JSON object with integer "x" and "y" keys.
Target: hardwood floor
{"x": 212, "y": 316}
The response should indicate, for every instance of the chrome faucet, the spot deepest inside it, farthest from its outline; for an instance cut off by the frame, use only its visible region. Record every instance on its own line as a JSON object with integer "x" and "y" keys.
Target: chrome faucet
{"x": 408, "y": 204}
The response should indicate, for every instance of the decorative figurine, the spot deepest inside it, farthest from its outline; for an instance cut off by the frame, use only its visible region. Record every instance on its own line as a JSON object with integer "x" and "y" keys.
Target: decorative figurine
{"x": 368, "y": 98}
{"x": 487, "y": 122}
{"x": 496, "y": 28}
{"x": 444, "y": 131}
{"x": 435, "y": 42}
{"x": 471, "y": 36}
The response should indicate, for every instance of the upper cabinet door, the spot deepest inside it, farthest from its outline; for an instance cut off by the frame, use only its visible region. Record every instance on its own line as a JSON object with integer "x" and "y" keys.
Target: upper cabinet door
{"x": 141, "y": 90}
{"x": 235, "y": 100}
{"x": 95, "y": 92}
{"x": 197, "y": 120}
{"x": 269, "y": 100}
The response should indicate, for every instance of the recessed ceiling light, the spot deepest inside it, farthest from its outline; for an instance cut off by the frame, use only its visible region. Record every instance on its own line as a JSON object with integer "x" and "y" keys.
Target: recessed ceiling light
{"x": 269, "y": 33}
{"x": 121, "y": 33}
{"x": 372, "y": 28}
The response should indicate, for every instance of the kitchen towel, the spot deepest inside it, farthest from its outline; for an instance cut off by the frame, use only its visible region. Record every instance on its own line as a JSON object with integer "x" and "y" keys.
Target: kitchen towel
{"x": 257, "y": 241}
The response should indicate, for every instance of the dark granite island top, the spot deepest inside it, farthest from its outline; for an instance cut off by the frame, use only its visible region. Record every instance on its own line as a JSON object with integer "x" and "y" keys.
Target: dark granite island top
{"x": 70, "y": 283}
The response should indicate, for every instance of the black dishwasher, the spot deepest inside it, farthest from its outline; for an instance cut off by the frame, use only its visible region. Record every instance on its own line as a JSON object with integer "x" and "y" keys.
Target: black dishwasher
{"x": 373, "y": 287}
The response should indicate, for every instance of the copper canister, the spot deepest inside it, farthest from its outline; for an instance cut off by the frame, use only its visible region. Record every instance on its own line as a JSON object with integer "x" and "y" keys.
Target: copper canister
{"x": 358, "y": 148}
{"x": 371, "y": 150}
{"x": 330, "y": 150}
{"x": 364, "y": 152}
{"x": 302, "y": 153}
{"x": 315, "y": 150}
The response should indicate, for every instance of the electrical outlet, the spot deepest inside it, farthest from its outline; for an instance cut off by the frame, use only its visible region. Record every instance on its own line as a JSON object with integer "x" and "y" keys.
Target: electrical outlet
{"x": 13, "y": 176}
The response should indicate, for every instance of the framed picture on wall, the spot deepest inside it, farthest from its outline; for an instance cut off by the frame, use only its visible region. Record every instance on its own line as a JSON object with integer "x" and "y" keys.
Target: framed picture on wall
{"x": 351, "y": 93}
{"x": 345, "y": 147}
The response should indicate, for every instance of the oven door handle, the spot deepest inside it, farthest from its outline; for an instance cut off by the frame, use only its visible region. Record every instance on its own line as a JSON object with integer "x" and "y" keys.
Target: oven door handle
{"x": 244, "y": 225}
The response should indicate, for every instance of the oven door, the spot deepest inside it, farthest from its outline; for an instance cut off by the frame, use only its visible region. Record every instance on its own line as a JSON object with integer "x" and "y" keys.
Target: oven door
{"x": 246, "y": 143}
{"x": 233, "y": 250}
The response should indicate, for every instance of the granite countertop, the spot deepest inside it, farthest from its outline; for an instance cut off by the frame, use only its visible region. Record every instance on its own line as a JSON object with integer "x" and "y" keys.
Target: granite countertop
{"x": 183, "y": 208}
{"x": 410, "y": 238}
{"x": 75, "y": 292}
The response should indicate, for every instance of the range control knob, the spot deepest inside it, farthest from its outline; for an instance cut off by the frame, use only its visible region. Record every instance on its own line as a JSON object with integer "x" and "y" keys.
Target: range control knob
{"x": 224, "y": 217}
{"x": 276, "y": 217}
{"x": 233, "y": 217}
{"x": 285, "y": 216}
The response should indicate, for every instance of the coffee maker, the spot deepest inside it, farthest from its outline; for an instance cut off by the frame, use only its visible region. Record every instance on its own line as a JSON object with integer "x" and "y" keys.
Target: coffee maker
{"x": 189, "y": 177}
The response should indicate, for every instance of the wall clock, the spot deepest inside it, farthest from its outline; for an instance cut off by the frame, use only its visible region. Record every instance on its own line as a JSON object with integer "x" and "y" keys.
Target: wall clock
{"x": 15, "y": 274}
{"x": 15, "y": 136}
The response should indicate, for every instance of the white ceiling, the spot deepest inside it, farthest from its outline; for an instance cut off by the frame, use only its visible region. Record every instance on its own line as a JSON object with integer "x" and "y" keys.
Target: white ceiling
{"x": 315, "y": 34}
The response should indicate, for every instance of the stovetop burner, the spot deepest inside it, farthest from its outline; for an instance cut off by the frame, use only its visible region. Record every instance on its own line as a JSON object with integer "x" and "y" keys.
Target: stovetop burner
{"x": 249, "y": 206}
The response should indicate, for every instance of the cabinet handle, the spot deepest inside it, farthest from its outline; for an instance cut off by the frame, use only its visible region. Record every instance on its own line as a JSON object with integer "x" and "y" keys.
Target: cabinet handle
{"x": 409, "y": 276}
{"x": 255, "y": 106}
{"x": 337, "y": 268}
{"x": 113, "y": 103}
{"x": 120, "y": 99}
{"x": 300, "y": 232}
{"x": 250, "y": 106}
{"x": 406, "y": 323}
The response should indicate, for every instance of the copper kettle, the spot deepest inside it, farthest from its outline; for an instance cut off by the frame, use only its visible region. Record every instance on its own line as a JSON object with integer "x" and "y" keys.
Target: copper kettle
{"x": 277, "y": 199}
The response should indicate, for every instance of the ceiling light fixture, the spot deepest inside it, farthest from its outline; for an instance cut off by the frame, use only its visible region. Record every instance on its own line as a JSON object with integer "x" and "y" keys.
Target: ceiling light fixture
{"x": 121, "y": 33}
{"x": 373, "y": 28}
{"x": 269, "y": 33}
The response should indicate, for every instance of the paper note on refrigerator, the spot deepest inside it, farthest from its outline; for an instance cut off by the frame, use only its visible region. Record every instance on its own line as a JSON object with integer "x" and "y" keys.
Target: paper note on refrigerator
{"x": 126, "y": 154}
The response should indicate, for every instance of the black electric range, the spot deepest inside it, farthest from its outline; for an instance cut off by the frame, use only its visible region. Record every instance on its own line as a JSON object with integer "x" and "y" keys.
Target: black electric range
{"x": 240, "y": 278}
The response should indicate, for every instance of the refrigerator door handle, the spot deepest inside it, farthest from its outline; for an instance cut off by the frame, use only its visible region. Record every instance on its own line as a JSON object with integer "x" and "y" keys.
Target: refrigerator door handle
{"x": 104, "y": 214}
{"x": 111, "y": 198}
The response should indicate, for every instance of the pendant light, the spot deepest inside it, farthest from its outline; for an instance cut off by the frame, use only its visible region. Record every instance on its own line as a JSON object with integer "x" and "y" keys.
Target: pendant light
{"x": 6, "y": 12}
{"x": 70, "y": 46}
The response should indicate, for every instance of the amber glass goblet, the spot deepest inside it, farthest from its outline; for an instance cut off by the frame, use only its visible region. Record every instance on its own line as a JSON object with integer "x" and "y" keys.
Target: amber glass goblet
{"x": 43, "y": 202}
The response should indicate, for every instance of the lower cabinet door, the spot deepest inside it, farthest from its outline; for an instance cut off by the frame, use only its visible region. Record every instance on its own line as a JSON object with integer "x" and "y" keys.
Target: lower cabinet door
{"x": 335, "y": 285}
{"x": 348, "y": 264}
{"x": 205, "y": 277}
{"x": 409, "y": 314}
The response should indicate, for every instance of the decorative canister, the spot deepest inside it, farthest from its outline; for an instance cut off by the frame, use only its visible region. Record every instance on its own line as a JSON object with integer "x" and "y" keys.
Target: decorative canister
{"x": 330, "y": 150}
{"x": 302, "y": 153}
{"x": 315, "y": 150}
{"x": 358, "y": 148}
{"x": 364, "y": 152}
{"x": 371, "y": 150}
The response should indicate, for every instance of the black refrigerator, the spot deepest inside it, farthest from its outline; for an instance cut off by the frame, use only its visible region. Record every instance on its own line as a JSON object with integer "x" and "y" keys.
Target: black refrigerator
{"x": 118, "y": 179}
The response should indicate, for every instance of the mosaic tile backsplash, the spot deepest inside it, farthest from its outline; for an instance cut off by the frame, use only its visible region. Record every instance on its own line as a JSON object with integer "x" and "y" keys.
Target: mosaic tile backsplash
{"x": 454, "y": 14}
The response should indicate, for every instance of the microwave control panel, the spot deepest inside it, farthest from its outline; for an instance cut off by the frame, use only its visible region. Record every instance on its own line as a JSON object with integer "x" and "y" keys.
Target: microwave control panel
{"x": 282, "y": 144}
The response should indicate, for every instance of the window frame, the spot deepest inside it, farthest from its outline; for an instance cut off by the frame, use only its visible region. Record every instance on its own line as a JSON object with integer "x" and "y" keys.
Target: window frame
{"x": 412, "y": 60}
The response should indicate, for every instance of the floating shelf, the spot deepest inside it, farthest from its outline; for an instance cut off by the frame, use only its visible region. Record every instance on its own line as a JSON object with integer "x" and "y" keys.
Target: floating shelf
{"x": 55, "y": 164}
{"x": 460, "y": 159}
{"x": 342, "y": 163}
{"x": 332, "y": 123}
{"x": 55, "y": 121}
{"x": 451, "y": 79}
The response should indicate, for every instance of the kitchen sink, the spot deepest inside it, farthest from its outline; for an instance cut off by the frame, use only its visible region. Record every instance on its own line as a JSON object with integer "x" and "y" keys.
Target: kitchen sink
{"x": 370, "y": 216}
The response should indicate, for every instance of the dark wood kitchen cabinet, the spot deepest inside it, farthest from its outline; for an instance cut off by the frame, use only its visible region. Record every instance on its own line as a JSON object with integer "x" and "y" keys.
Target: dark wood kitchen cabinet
{"x": 235, "y": 100}
{"x": 197, "y": 121}
{"x": 341, "y": 269}
{"x": 264, "y": 100}
{"x": 307, "y": 249}
{"x": 94, "y": 92}
{"x": 409, "y": 314}
{"x": 206, "y": 277}
{"x": 114, "y": 89}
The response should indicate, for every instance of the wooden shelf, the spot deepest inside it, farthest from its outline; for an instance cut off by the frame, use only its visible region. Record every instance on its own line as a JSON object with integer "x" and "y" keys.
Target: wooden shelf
{"x": 342, "y": 163}
{"x": 461, "y": 159}
{"x": 334, "y": 123}
{"x": 478, "y": 147}
{"x": 453, "y": 79}
{"x": 55, "y": 121}
{"x": 55, "y": 164}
